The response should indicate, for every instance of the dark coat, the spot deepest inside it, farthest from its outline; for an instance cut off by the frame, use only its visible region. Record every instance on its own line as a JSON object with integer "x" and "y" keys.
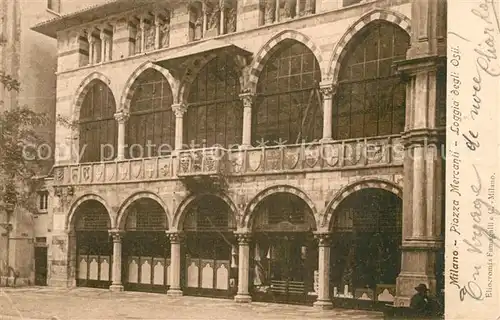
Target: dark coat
{"x": 421, "y": 304}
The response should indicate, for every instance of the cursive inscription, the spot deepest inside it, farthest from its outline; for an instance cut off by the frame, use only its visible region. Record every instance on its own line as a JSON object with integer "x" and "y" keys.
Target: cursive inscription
{"x": 473, "y": 216}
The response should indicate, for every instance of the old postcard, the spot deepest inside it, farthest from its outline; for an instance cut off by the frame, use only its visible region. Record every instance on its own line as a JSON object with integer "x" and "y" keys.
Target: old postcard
{"x": 249, "y": 159}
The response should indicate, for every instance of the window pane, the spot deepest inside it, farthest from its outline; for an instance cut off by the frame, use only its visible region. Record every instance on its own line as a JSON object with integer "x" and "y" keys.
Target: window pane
{"x": 97, "y": 124}
{"x": 375, "y": 89}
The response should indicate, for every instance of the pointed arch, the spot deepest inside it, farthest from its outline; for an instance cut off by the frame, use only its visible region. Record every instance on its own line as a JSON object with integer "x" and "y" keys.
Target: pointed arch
{"x": 356, "y": 186}
{"x": 341, "y": 48}
{"x": 128, "y": 90}
{"x": 83, "y": 89}
{"x": 181, "y": 211}
{"x": 248, "y": 215}
{"x": 272, "y": 46}
{"x": 121, "y": 216}
{"x": 70, "y": 218}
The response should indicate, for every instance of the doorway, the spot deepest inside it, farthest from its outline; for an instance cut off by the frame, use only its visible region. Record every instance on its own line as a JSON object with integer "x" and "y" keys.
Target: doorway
{"x": 40, "y": 266}
{"x": 287, "y": 260}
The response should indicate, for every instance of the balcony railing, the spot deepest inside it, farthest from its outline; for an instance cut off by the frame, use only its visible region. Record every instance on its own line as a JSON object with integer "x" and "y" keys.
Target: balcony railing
{"x": 204, "y": 162}
{"x": 307, "y": 157}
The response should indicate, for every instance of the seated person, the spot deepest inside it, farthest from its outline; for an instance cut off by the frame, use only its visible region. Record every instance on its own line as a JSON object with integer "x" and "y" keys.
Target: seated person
{"x": 420, "y": 302}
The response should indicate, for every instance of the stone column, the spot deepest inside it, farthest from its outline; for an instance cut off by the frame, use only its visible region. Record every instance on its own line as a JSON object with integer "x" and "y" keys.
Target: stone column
{"x": 248, "y": 99}
{"x": 327, "y": 92}
{"x": 175, "y": 264}
{"x": 204, "y": 12}
{"x": 142, "y": 24}
{"x": 157, "y": 31}
{"x": 121, "y": 117}
{"x": 243, "y": 295}
{"x": 424, "y": 134}
{"x": 116, "y": 284}
{"x": 222, "y": 24}
{"x": 91, "y": 40}
{"x": 179, "y": 110}
{"x": 323, "y": 301}
{"x": 104, "y": 43}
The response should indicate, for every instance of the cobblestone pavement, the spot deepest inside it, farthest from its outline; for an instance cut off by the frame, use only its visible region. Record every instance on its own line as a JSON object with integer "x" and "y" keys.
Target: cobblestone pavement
{"x": 85, "y": 303}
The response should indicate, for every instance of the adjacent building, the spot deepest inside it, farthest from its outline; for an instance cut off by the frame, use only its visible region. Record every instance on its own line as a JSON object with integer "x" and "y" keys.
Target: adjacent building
{"x": 277, "y": 150}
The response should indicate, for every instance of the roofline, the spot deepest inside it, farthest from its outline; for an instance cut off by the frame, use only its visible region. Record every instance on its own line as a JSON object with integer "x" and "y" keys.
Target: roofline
{"x": 52, "y": 26}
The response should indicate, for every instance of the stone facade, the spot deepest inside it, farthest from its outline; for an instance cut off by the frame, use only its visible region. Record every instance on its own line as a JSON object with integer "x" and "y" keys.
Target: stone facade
{"x": 250, "y": 175}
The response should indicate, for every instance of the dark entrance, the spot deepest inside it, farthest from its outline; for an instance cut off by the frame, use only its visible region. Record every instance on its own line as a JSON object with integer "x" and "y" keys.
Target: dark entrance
{"x": 40, "y": 266}
{"x": 210, "y": 253}
{"x": 146, "y": 249}
{"x": 94, "y": 247}
{"x": 365, "y": 257}
{"x": 284, "y": 255}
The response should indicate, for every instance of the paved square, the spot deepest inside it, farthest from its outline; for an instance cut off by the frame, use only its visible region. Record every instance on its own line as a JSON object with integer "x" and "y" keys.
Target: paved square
{"x": 85, "y": 303}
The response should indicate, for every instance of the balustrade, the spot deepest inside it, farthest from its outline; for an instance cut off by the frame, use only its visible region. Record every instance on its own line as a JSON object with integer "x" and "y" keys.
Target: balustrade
{"x": 317, "y": 156}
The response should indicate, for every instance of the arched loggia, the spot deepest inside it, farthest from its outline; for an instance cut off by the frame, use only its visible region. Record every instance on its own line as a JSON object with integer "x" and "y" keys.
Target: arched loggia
{"x": 94, "y": 248}
{"x": 283, "y": 254}
{"x": 146, "y": 249}
{"x": 211, "y": 248}
{"x": 214, "y": 115}
{"x": 365, "y": 255}
{"x": 97, "y": 125}
{"x": 152, "y": 121}
{"x": 370, "y": 96}
{"x": 288, "y": 105}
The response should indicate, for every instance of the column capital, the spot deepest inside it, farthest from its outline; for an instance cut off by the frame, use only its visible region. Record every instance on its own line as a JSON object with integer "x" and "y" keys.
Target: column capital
{"x": 121, "y": 116}
{"x": 248, "y": 98}
{"x": 324, "y": 238}
{"x": 327, "y": 90}
{"x": 90, "y": 37}
{"x": 243, "y": 237}
{"x": 179, "y": 109}
{"x": 175, "y": 236}
{"x": 116, "y": 234}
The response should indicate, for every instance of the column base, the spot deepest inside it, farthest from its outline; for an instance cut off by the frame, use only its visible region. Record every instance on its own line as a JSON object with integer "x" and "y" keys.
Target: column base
{"x": 116, "y": 288}
{"x": 323, "y": 305}
{"x": 243, "y": 298}
{"x": 326, "y": 140}
{"x": 174, "y": 293}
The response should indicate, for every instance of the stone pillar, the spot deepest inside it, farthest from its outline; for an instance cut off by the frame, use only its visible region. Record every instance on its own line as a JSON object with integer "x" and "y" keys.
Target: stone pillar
{"x": 116, "y": 284}
{"x": 142, "y": 24}
{"x": 222, "y": 24}
{"x": 179, "y": 110}
{"x": 121, "y": 117}
{"x": 91, "y": 41}
{"x": 327, "y": 92}
{"x": 323, "y": 301}
{"x": 243, "y": 295}
{"x": 248, "y": 99}
{"x": 157, "y": 31}
{"x": 175, "y": 264}
{"x": 424, "y": 135}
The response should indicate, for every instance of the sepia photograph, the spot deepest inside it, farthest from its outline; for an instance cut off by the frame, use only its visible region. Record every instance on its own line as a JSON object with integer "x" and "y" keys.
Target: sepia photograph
{"x": 230, "y": 159}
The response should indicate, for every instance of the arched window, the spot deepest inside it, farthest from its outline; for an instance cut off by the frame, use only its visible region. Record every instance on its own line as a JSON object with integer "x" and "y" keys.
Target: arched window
{"x": 215, "y": 115}
{"x": 97, "y": 126}
{"x": 370, "y": 98}
{"x": 288, "y": 103}
{"x": 152, "y": 121}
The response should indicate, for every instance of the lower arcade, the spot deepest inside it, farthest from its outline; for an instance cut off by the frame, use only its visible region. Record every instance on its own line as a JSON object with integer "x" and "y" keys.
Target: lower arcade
{"x": 277, "y": 256}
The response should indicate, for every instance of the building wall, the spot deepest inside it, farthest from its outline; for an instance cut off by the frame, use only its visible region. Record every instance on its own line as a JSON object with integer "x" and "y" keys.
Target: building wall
{"x": 31, "y": 60}
{"x": 117, "y": 73}
{"x": 321, "y": 187}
